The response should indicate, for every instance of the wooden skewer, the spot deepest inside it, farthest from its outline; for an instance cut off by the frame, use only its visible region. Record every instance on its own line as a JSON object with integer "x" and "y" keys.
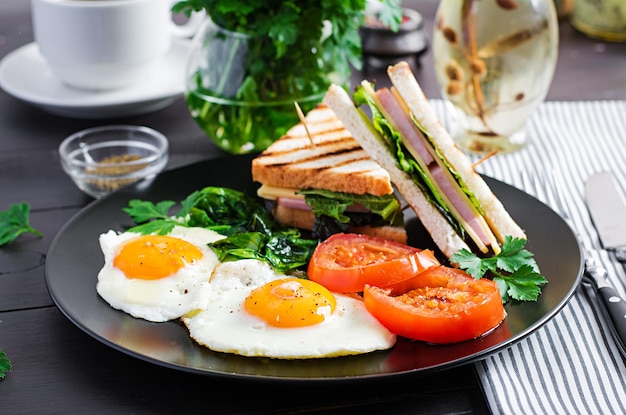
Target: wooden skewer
{"x": 303, "y": 121}
{"x": 485, "y": 158}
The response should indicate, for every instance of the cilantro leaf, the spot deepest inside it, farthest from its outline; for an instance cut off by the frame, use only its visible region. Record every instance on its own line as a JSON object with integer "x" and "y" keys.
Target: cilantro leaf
{"x": 523, "y": 285}
{"x": 469, "y": 262}
{"x": 143, "y": 211}
{"x": 514, "y": 269}
{"x": 391, "y": 14}
{"x": 5, "y": 363}
{"x": 513, "y": 255}
{"x": 157, "y": 226}
{"x": 190, "y": 201}
{"x": 14, "y": 222}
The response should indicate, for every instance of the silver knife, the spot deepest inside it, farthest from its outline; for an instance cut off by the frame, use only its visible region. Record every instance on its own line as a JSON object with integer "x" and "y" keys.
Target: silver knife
{"x": 608, "y": 212}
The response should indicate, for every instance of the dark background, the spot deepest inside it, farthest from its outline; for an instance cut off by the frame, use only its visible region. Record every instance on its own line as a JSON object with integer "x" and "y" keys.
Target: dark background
{"x": 59, "y": 369}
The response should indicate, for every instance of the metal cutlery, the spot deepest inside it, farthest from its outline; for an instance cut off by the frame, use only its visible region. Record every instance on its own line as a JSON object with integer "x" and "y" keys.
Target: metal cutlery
{"x": 608, "y": 211}
{"x": 614, "y": 307}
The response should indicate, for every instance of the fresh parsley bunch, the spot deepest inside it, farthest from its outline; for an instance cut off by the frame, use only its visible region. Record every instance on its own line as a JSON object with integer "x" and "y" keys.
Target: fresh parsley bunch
{"x": 289, "y": 37}
{"x": 293, "y": 50}
{"x": 514, "y": 270}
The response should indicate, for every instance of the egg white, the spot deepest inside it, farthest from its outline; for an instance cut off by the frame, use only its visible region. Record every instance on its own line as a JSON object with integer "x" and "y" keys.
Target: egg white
{"x": 162, "y": 299}
{"x": 225, "y": 326}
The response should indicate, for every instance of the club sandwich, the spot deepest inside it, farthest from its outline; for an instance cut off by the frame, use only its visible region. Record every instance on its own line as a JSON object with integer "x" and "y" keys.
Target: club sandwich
{"x": 318, "y": 178}
{"x": 403, "y": 134}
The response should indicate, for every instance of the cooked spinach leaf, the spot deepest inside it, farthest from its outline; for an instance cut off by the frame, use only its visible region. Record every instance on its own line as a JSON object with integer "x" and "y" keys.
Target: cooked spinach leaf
{"x": 251, "y": 232}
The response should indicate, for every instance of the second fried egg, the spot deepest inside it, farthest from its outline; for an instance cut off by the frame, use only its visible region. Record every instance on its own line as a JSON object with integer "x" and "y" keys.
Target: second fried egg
{"x": 252, "y": 311}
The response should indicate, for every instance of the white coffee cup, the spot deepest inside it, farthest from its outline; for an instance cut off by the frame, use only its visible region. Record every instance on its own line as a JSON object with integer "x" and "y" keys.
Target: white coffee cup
{"x": 105, "y": 44}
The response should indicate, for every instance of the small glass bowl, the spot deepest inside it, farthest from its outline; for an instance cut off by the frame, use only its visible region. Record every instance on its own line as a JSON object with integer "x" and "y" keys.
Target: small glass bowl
{"x": 100, "y": 160}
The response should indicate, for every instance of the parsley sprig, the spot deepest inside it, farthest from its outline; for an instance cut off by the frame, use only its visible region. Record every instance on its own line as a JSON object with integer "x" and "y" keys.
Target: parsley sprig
{"x": 514, "y": 269}
{"x": 5, "y": 364}
{"x": 14, "y": 222}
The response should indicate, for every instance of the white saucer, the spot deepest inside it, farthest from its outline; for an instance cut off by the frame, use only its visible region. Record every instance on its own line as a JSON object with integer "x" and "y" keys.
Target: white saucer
{"x": 25, "y": 74}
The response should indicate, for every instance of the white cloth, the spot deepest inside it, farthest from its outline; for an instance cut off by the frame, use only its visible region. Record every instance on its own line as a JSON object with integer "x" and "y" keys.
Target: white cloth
{"x": 571, "y": 364}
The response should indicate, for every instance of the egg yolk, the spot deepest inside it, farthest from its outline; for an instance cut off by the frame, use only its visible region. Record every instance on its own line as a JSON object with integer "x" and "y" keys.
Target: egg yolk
{"x": 152, "y": 257}
{"x": 291, "y": 302}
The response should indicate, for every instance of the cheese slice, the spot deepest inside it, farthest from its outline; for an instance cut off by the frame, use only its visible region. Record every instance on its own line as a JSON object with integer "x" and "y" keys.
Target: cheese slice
{"x": 273, "y": 192}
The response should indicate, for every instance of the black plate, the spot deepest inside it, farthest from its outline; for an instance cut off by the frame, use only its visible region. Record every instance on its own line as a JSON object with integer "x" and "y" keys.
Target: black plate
{"x": 74, "y": 260}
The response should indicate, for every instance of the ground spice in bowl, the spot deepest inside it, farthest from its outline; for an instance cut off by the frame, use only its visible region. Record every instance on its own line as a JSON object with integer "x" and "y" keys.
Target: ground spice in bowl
{"x": 112, "y": 166}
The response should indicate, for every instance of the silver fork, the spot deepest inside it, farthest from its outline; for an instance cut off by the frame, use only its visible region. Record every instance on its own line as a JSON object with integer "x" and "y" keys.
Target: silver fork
{"x": 614, "y": 307}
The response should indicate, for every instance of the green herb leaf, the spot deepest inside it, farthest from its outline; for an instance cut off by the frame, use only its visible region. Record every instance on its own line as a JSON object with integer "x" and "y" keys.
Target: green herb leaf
{"x": 514, "y": 270}
{"x": 14, "y": 222}
{"x": 189, "y": 203}
{"x": 334, "y": 204}
{"x": 523, "y": 285}
{"x": 471, "y": 263}
{"x": 513, "y": 256}
{"x": 157, "y": 226}
{"x": 142, "y": 211}
{"x": 391, "y": 14}
{"x": 5, "y": 364}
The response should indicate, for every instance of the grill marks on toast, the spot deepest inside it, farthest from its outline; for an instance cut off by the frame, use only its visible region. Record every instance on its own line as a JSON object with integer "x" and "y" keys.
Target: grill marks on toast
{"x": 336, "y": 162}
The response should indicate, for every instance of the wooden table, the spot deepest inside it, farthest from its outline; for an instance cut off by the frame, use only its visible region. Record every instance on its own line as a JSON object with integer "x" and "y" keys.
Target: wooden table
{"x": 59, "y": 369}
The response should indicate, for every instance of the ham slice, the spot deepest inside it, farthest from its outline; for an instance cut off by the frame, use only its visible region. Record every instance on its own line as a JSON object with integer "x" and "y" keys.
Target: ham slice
{"x": 448, "y": 187}
{"x": 293, "y": 203}
{"x": 404, "y": 125}
{"x": 456, "y": 199}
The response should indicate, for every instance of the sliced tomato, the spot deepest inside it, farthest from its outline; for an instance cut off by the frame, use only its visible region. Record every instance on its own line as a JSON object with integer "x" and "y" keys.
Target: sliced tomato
{"x": 346, "y": 262}
{"x": 451, "y": 306}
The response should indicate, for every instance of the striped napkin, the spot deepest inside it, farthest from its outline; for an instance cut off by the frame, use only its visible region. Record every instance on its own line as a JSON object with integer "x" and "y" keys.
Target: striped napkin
{"x": 571, "y": 364}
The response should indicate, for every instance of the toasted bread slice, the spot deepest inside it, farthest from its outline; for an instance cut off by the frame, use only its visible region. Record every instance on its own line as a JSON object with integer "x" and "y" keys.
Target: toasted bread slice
{"x": 329, "y": 159}
{"x": 444, "y": 236}
{"x": 335, "y": 161}
{"x": 495, "y": 214}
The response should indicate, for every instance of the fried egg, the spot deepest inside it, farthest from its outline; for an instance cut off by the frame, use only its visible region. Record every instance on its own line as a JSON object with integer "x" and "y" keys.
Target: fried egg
{"x": 252, "y": 311}
{"x": 157, "y": 277}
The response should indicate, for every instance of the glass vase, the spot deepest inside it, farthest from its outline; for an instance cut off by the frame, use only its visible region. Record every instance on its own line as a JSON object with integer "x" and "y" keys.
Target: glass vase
{"x": 239, "y": 107}
{"x": 494, "y": 60}
{"x": 600, "y": 19}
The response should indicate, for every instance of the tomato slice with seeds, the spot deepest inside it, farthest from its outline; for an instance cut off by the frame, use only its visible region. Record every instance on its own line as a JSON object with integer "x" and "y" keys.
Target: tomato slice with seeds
{"x": 346, "y": 262}
{"x": 449, "y": 307}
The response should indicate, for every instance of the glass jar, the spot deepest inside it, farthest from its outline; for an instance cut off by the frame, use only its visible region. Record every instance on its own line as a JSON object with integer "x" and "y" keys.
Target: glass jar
{"x": 241, "y": 110}
{"x": 601, "y": 19}
{"x": 494, "y": 61}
